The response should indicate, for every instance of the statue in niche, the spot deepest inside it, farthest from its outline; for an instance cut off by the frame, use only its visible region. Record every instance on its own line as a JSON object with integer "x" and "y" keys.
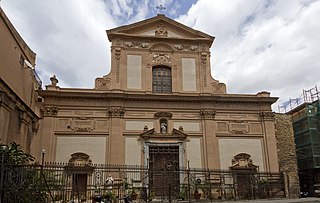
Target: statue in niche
{"x": 163, "y": 127}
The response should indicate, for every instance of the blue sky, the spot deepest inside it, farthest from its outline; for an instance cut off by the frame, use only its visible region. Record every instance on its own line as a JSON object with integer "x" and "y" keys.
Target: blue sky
{"x": 260, "y": 45}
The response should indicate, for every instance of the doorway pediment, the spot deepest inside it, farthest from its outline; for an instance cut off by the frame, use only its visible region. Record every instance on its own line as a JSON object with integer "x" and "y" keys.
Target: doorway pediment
{"x": 152, "y": 134}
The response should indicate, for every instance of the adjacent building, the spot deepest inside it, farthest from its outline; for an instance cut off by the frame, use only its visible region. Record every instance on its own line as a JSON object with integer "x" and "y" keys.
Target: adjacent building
{"x": 19, "y": 82}
{"x": 305, "y": 113}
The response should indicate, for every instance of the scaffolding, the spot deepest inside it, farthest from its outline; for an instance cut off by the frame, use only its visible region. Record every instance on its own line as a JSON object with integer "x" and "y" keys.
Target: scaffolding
{"x": 305, "y": 112}
{"x": 307, "y": 96}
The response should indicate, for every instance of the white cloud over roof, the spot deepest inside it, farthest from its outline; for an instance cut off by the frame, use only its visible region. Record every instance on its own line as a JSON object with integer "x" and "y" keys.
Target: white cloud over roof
{"x": 260, "y": 44}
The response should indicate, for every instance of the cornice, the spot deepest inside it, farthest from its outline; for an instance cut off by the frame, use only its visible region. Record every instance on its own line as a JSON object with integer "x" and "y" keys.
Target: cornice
{"x": 158, "y": 39}
{"x": 142, "y": 96}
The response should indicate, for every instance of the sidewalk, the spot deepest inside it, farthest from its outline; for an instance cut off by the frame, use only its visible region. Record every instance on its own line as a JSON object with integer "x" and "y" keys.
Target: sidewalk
{"x": 308, "y": 199}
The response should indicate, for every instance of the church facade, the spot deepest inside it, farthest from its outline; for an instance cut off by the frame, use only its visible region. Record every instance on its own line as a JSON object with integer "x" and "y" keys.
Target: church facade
{"x": 159, "y": 105}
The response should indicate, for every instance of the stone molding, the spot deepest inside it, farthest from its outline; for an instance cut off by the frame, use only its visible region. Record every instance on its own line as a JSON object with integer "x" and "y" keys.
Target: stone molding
{"x": 137, "y": 44}
{"x": 184, "y": 47}
{"x": 163, "y": 114}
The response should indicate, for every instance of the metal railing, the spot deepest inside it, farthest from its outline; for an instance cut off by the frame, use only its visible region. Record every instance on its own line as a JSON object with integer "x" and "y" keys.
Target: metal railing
{"x": 54, "y": 182}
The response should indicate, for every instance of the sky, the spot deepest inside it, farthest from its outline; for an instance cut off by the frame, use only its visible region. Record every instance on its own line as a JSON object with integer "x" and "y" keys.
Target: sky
{"x": 260, "y": 45}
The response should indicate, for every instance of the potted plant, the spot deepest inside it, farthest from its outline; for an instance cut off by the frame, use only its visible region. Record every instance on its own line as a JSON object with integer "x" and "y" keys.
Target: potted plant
{"x": 133, "y": 194}
{"x": 196, "y": 193}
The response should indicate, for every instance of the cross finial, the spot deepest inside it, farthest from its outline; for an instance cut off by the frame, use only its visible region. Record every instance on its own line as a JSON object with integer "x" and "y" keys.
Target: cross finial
{"x": 160, "y": 8}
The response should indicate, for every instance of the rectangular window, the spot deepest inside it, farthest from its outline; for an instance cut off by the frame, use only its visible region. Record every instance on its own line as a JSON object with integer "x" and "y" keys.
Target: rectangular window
{"x": 161, "y": 79}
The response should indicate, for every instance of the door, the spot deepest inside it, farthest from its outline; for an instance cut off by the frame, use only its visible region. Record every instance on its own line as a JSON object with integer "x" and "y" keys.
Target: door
{"x": 164, "y": 170}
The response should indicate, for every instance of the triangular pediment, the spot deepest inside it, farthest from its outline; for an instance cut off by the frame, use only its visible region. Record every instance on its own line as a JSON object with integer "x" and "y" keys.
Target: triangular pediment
{"x": 159, "y": 26}
{"x": 152, "y": 134}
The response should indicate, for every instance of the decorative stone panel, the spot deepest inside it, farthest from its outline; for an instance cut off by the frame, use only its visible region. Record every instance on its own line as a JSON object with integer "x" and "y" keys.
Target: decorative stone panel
{"x": 239, "y": 127}
{"x": 82, "y": 125}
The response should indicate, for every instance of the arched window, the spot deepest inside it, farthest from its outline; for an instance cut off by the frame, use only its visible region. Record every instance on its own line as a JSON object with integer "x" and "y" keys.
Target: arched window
{"x": 161, "y": 79}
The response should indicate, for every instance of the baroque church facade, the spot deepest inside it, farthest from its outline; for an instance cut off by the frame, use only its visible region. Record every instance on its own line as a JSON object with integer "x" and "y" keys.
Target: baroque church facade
{"x": 158, "y": 105}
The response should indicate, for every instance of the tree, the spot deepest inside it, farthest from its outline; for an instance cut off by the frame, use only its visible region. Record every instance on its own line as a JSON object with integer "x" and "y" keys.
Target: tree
{"x": 14, "y": 154}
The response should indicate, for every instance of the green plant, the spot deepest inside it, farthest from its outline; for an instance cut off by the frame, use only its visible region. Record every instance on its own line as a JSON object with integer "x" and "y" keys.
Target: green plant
{"x": 182, "y": 193}
{"x": 151, "y": 194}
{"x": 13, "y": 154}
{"x": 109, "y": 196}
{"x": 263, "y": 182}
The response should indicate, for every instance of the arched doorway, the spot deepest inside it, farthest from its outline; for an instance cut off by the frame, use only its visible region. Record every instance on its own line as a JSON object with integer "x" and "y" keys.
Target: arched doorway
{"x": 244, "y": 171}
{"x": 79, "y": 168}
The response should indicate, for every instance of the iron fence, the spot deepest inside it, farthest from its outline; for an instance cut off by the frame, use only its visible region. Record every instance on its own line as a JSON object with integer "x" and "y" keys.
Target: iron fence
{"x": 54, "y": 182}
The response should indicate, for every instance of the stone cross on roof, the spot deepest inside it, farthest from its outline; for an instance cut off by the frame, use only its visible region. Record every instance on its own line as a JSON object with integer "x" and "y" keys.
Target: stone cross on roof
{"x": 160, "y": 8}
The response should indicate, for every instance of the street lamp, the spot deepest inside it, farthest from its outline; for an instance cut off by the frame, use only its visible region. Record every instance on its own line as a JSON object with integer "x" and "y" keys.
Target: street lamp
{"x": 3, "y": 150}
{"x": 43, "y": 151}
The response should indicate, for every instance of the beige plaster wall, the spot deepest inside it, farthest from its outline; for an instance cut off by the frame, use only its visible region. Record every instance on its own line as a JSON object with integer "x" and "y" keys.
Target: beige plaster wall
{"x": 194, "y": 153}
{"x": 228, "y": 148}
{"x": 138, "y": 125}
{"x": 189, "y": 79}
{"x": 132, "y": 151}
{"x": 134, "y": 71}
{"x": 95, "y": 147}
{"x": 188, "y": 126}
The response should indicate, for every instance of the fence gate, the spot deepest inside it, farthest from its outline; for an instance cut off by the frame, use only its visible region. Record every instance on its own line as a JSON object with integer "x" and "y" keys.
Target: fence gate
{"x": 164, "y": 171}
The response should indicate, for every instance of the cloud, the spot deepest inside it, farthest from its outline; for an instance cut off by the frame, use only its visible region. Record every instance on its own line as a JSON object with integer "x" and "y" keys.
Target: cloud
{"x": 271, "y": 46}
{"x": 259, "y": 44}
{"x": 68, "y": 36}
